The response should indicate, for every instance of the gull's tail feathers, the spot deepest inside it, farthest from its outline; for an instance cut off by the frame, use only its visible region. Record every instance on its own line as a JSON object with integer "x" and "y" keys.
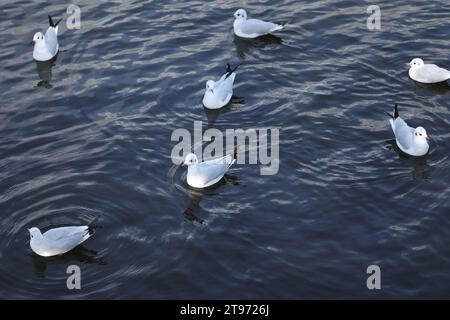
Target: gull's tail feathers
{"x": 395, "y": 114}
{"x": 51, "y": 23}
{"x": 92, "y": 226}
{"x": 278, "y": 27}
{"x": 230, "y": 71}
{"x": 234, "y": 155}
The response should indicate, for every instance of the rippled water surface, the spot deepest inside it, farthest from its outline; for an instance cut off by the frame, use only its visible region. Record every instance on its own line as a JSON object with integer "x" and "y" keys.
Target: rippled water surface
{"x": 93, "y": 135}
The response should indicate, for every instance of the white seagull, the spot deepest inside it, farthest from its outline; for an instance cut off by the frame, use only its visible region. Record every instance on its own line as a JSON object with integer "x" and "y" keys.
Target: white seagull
{"x": 46, "y": 47}
{"x": 411, "y": 141}
{"x": 60, "y": 240}
{"x": 426, "y": 73}
{"x": 252, "y": 28}
{"x": 207, "y": 173}
{"x": 219, "y": 93}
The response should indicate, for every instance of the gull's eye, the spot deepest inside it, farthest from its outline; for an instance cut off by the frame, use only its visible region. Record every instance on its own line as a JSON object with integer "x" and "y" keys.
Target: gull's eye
{"x": 415, "y": 133}
{"x": 420, "y": 134}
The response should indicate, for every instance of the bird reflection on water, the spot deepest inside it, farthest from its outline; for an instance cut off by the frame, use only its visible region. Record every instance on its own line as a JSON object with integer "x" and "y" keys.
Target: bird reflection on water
{"x": 78, "y": 255}
{"x": 418, "y": 163}
{"x": 244, "y": 46}
{"x": 436, "y": 88}
{"x": 213, "y": 114}
{"x": 193, "y": 211}
{"x": 44, "y": 70}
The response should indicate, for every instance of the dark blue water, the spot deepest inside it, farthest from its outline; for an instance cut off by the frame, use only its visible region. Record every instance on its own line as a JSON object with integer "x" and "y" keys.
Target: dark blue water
{"x": 94, "y": 136}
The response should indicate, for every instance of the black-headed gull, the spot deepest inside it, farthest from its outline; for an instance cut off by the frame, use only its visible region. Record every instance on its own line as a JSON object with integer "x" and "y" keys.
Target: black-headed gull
{"x": 426, "y": 73}
{"x": 46, "y": 47}
{"x": 207, "y": 173}
{"x": 252, "y": 28}
{"x": 60, "y": 240}
{"x": 411, "y": 141}
{"x": 219, "y": 93}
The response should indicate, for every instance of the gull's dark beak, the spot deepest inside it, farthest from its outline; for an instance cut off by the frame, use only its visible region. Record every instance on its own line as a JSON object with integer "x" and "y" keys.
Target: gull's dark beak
{"x": 407, "y": 65}
{"x": 32, "y": 41}
{"x": 428, "y": 138}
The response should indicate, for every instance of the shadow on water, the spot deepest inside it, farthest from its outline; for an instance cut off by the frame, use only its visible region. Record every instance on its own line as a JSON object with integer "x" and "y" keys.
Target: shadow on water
{"x": 44, "y": 70}
{"x": 194, "y": 211}
{"x": 437, "y": 88}
{"x": 213, "y": 114}
{"x": 79, "y": 254}
{"x": 244, "y": 46}
{"x": 418, "y": 163}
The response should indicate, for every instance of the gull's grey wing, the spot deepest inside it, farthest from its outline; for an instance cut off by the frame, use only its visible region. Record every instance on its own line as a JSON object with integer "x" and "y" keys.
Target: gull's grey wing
{"x": 224, "y": 87}
{"x": 228, "y": 160}
{"x": 403, "y": 133}
{"x": 51, "y": 40}
{"x": 256, "y": 26}
{"x": 65, "y": 238}
{"x": 433, "y": 73}
{"x": 212, "y": 170}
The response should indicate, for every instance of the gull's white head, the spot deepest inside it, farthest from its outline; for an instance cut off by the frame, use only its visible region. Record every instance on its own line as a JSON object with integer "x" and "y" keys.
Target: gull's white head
{"x": 415, "y": 63}
{"x": 34, "y": 233}
{"x": 420, "y": 134}
{"x": 38, "y": 37}
{"x": 190, "y": 159}
{"x": 240, "y": 14}
{"x": 210, "y": 85}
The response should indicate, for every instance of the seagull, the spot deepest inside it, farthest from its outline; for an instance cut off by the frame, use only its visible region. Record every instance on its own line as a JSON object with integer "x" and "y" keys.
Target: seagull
{"x": 252, "y": 28}
{"x": 207, "y": 173}
{"x": 60, "y": 240}
{"x": 46, "y": 47}
{"x": 219, "y": 93}
{"x": 426, "y": 73}
{"x": 413, "y": 142}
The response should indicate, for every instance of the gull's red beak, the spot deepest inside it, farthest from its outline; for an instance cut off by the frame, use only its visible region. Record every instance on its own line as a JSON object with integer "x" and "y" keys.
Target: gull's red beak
{"x": 407, "y": 65}
{"x": 428, "y": 138}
